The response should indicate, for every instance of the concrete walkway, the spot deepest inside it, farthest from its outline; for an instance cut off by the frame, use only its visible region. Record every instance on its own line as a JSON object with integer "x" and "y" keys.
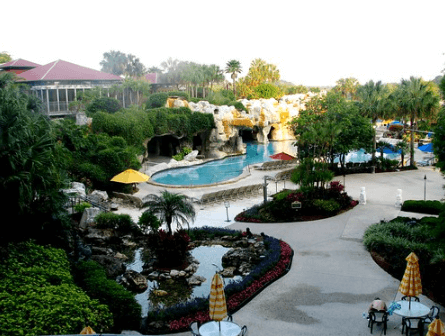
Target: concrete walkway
{"x": 333, "y": 278}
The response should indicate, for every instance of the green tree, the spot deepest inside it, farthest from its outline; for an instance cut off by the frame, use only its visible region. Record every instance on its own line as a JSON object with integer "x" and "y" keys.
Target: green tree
{"x": 347, "y": 87}
{"x": 373, "y": 103}
{"x": 114, "y": 62}
{"x": 171, "y": 208}
{"x": 5, "y": 57}
{"x": 134, "y": 67}
{"x": 31, "y": 167}
{"x": 415, "y": 99}
{"x": 439, "y": 133}
{"x": 234, "y": 68}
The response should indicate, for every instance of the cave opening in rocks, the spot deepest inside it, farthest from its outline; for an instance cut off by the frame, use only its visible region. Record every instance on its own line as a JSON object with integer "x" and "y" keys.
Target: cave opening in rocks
{"x": 269, "y": 136}
{"x": 166, "y": 145}
{"x": 248, "y": 135}
{"x": 197, "y": 143}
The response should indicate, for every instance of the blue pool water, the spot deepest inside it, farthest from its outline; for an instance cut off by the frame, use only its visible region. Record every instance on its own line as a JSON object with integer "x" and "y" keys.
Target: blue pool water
{"x": 226, "y": 169}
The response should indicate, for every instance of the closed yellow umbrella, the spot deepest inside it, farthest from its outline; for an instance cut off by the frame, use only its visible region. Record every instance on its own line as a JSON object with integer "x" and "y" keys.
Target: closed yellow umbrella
{"x": 87, "y": 331}
{"x": 411, "y": 284}
{"x": 436, "y": 328}
{"x": 130, "y": 176}
{"x": 218, "y": 306}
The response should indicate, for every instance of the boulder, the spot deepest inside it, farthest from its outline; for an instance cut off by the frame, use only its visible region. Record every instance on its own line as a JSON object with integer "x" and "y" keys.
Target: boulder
{"x": 88, "y": 217}
{"x": 101, "y": 196}
{"x": 196, "y": 280}
{"x": 191, "y": 156}
{"x": 113, "y": 267}
{"x": 134, "y": 281}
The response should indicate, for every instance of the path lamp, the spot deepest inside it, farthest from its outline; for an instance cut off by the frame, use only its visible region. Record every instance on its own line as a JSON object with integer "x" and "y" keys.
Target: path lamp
{"x": 424, "y": 188}
{"x": 265, "y": 187}
{"x": 227, "y": 205}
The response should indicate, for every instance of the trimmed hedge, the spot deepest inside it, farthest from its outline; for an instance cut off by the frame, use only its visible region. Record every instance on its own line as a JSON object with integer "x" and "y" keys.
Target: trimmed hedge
{"x": 38, "y": 295}
{"x": 121, "y": 302}
{"x": 427, "y": 207}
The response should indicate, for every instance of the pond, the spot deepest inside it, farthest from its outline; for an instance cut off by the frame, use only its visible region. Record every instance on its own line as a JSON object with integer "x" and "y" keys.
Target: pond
{"x": 206, "y": 255}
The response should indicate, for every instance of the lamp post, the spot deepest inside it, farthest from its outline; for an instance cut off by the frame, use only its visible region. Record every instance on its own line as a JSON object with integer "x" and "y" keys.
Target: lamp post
{"x": 424, "y": 188}
{"x": 265, "y": 187}
{"x": 227, "y": 205}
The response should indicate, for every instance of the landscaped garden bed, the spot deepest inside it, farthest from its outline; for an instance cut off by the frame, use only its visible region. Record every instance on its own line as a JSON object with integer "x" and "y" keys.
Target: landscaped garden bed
{"x": 391, "y": 242}
{"x": 275, "y": 264}
{"x": 300, "y": 205}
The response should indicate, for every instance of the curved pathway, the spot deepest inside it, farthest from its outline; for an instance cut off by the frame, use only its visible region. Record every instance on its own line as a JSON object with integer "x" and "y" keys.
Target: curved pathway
{"x": 333, "y": 278}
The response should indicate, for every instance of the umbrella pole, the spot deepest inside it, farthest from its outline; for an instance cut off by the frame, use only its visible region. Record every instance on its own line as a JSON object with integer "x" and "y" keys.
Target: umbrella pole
{"x": 219, "y": 323}
{"x": 409, "y": 306}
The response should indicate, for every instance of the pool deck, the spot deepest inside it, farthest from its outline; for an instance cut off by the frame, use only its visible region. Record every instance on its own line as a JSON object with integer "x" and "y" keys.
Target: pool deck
{"x": 333, "y": 278}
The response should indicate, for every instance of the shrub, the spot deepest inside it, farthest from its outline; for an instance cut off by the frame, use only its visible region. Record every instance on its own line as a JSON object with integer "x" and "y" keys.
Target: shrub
{"x": 158, "y": 99}
{"x": 238, "y": 105}
{"x": 46, "y": 301}
{"x": 120, "y": 222}
{"x": 183, "y": 94}
{"x": 122, "y": 304}
{"x": 267, "y": 91}
{"x": 104, "y": 104}
{"x": 170, "y": 249}
{"x": 428, "y": 207}
{"x": 149, "y": 221}
{"x": 326, "y": 206}
{"x": 80, "y": 207}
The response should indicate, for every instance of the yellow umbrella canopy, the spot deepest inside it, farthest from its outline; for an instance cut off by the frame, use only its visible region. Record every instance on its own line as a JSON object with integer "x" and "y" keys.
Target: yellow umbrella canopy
{"x": 130, "y": 176}
{"x": 436, "y": 328}
{"x": 218, "y": 306}
{"x": 411, "y": 284}
{"x": 87, "y": 331}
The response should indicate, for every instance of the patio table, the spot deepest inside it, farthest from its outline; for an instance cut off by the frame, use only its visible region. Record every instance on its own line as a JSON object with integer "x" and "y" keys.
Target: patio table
{"x": 417, "y": 309}
{"x": 227, "y": 329}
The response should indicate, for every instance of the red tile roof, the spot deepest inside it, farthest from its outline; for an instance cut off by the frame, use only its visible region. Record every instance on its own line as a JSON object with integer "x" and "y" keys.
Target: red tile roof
{"x": 19, "y": 63}
{"x": 62, "y": 70}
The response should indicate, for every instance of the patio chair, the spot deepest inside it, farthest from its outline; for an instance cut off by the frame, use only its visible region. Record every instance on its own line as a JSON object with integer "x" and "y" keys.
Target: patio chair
{"x": 243, "y": 330}
{"x": 218, "y": 196}
{"x": 434, "y": 313}
{"x": 205, "y": 198}
{"x": 194, "y": 328}
{"x": 412, "y": 323}
{"x": 413, "y": 298}
{"x": 378, "y": 317}
{"x": 243, "y": 192}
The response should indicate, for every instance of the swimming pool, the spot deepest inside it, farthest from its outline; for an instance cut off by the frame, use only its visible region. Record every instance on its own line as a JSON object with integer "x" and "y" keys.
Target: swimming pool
{"x": 225, "y": 169}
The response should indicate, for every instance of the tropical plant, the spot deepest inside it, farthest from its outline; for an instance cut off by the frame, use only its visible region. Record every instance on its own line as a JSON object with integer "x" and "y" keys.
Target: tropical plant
{"x": 373, "y": 104}
{"x": 104, "y": 104}
{"x": 415, "y": 99}
{"x": 114, "y": 62}
{"x": 347, "y": 87}
{"x": 439, "y": 134}
{"x": 171, "y": 208}
{"x": 148, "y": 221}
{"x": 234, "y": 68}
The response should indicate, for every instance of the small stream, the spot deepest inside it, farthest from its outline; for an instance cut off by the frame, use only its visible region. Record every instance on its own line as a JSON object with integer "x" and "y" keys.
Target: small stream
{"x": 206, "y": 255}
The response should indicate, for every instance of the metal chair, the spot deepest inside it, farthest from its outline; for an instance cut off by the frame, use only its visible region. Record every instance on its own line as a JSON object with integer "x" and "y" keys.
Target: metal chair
{"x": 412, "y": 323}
{"x": 194, "y": 328}
{"x": 378, "y": 317}
{"x": 243, "y": 331}
{"x": 413, "y": 298}
{"x": 434, "y": 313}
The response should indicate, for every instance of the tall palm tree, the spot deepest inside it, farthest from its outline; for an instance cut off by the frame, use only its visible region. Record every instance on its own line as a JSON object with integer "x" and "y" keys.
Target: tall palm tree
{"x": 114, "y": 62}
{"x": 171, "y": 207}
{"x": 415, "y": 98}
{"x": 233, "y": 67}
{"x": 373, "y": 103}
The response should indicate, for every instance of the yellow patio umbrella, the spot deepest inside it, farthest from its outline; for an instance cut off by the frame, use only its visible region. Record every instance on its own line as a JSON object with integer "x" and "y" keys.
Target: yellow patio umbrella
{"x": 130, "y": 176}
{"x": 217, "y": 302}
{"x": 411, "y": 284}
{"x": 87, "y": 331}
{"x": 436, "y": 328}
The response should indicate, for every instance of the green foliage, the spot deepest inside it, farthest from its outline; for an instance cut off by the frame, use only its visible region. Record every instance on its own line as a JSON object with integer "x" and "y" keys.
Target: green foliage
{"x": 39, "y": 297}
{"x": 310, "y": 173}
{"x": 326, "y": 206}
{"x": 238, "y": 105}
{"x": 184, "y": 151}
{"x": 296, "y": 89}
{"x": 148, "y": 221}
{"x": 119, "y": 222}
{"x": 158, "y": 99}
{"x": 122, "y": 304}
{"x": 266, "y": 90}
{"x": 183, "y": 94}
{"x": 428, "y": 207}
{"x": 104, "y": 104}
{"x": 439, "y": 136}
{"x": 80, "y": 207}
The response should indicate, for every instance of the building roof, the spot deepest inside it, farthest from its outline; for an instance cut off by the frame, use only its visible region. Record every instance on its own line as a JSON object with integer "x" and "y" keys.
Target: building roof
{"x": 63, "y": 70}
{"x": 19, "y": 63}
{"x": 152, "y": 77}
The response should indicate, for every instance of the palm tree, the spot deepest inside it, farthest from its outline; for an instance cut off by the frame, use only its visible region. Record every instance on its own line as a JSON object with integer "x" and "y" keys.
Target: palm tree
{"x": 373, "y": 103}
{"x": 171, "y": 207}
{"x": 415, "y": 98}
{"x": 233, "y": 67}
{"x": 114, "y": 62}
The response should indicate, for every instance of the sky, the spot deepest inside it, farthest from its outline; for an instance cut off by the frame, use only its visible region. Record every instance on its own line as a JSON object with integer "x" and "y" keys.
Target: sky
{"x": 312, "y": 43}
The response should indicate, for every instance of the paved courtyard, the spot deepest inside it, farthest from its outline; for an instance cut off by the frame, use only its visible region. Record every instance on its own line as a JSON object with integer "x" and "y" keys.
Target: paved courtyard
{"x": 333, "y": 278}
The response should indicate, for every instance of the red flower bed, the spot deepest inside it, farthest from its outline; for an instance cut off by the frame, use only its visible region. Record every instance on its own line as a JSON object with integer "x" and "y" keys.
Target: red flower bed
{"x": 235, "y": 301}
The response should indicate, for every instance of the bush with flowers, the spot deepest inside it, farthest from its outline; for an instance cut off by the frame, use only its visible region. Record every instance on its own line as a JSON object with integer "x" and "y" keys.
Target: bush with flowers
{"x": 276, "y": 264}
{"x": 316, "y": 203}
